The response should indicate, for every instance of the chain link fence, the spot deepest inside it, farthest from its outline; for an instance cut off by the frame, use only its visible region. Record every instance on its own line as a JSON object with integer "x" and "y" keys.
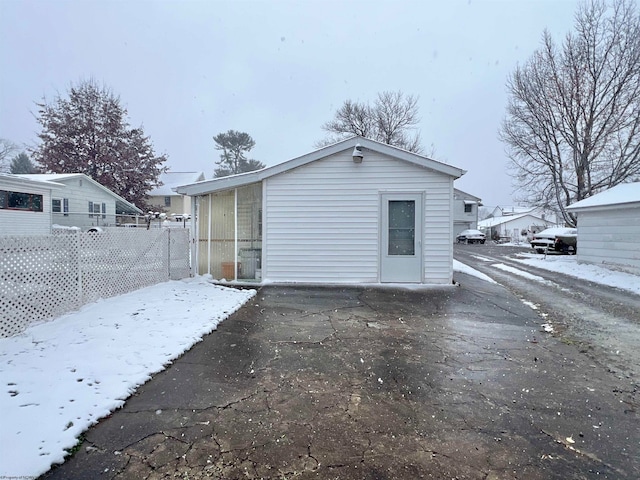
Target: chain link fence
{"x": 42, "y": 277}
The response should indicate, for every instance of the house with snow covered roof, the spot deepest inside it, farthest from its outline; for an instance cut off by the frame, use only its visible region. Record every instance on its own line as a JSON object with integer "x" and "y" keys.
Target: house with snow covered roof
{"x": 164, "y": 197}
{"x": 357, "y": 211}
{"x": 81, "y": 201}
{"x": 515, "y": 228}
{"x": 609, "y": 227}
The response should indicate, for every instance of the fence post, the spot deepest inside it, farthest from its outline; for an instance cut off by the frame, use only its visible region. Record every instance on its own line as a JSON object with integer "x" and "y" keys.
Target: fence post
{"x": 78, "y": 259}
{"x": 169, "y": 252}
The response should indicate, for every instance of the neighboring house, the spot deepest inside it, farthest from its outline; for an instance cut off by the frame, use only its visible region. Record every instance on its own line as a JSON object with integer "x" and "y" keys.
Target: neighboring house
{"x": 165, "y": 197}
{"x": 510, "y": 210}
{"x": 25, "y": 205}
{"x": 83, "y": 202}
{"x": 507, "y": 211}
{"x": 609, "y": 227}
{"x": 516, "y": 228}
{"x": 357, "y": 211}
{"x": 465, "y": 211}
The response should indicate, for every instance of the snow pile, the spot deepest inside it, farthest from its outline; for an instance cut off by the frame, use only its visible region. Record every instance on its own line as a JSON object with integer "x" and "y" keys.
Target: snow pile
{"x": 462, "y": 268}
{"x": 568, "y": 265}
{"x": 61, "y": 377}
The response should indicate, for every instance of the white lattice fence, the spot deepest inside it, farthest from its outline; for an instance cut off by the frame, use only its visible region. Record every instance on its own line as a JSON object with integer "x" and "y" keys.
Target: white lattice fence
{"x": 45, "y": 276}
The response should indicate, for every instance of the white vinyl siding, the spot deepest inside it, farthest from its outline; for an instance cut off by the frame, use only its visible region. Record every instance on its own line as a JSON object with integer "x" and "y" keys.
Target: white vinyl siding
{"x": 24, "y": 222}
{"x": 82, "y": 196}
{"x": 610, "y": 237}
{"x": 322, "y": 219}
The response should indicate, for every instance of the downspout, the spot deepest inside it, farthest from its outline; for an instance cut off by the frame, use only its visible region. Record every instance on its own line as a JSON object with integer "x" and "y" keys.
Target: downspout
{"x": 209, "y": 238}
{"x": 195, "y": 233}
{"x": 235, "y": 234}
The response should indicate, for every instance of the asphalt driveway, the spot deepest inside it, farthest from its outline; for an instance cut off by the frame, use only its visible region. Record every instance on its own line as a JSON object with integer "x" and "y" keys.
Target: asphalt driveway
{"x": 359, "y": 383}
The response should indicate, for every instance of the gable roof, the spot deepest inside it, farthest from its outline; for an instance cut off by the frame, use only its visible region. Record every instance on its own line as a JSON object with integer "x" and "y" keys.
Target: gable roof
{"x": 493, "y": 221}
{"x": 467, "y": 196}
{"x": 233, "y": 181}
{"x": 625, "y": 194}
{"x": 513, "y": 210}
{"x": 171, "y": 180}
{"x": 122, "y": 205}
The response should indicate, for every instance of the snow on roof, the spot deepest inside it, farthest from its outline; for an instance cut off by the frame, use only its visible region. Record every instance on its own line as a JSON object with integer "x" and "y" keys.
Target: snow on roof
{"x": 13, "y": 178}
{"x": 625, "y": 193}
{"x": 514, "y": 210}
{"x": 171, "y": 180}
{"x": 122, "y": 205}
{"x": 493, "y": 221}
{"x": 49, "y": 177}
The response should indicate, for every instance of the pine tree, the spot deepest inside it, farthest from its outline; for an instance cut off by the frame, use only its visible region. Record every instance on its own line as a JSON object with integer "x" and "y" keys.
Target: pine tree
{"x": 22, "y": 164}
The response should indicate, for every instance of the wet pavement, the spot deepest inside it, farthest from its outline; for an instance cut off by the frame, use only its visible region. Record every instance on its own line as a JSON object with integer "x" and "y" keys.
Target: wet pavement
{"x": 359, "y": 383}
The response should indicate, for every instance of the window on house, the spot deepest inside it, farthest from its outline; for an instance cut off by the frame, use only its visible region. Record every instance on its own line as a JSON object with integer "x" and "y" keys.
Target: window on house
{"x": 468, "y": 208}
{"x": 20, "y": 201}
{"x": 56, "y": 205}
{"x": 65, "y": 206}
{"x": 104, "y": 210}
{"x": 94, "y": 208}
{"x": 167, "y": 201}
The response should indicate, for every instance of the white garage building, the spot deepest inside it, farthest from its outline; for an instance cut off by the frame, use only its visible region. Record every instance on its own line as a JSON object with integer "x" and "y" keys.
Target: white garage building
{"x": 357, "y": 211}
{"x": 609, "y": 227}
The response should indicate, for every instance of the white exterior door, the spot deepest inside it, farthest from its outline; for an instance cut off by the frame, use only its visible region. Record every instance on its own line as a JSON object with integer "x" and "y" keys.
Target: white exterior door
{"x": 401, "y": 238}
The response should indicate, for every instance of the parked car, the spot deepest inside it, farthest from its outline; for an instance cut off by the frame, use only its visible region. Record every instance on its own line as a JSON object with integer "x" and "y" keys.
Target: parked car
{"x": 566, "y": 243}
{"x": 546, "y": 239}
{"x": 471, "y": 236}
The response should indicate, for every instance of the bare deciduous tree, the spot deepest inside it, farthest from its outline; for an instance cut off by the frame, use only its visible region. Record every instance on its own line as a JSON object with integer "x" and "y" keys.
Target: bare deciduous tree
{"x": 7, "y": 149}
{"x": 392, "y": 119}
{"x": 572, "y": 127}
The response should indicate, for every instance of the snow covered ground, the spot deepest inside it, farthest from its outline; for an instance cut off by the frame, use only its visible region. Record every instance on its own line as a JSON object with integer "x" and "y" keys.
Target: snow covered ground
{"x": 462, "y": 268}
{"x": 568, "y": 265}
{"x": 60, "y": 377}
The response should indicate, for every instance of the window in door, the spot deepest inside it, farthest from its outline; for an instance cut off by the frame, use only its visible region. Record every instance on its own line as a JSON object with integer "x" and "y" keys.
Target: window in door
{"x": 402, "y": 233}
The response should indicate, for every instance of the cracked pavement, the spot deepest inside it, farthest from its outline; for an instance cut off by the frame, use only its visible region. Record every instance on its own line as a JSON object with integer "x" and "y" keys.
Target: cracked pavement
{"x": 363, "y": 383}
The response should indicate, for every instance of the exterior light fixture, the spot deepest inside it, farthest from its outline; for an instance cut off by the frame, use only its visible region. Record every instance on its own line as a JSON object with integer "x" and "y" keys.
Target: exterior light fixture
{"x": 357, "y": 154}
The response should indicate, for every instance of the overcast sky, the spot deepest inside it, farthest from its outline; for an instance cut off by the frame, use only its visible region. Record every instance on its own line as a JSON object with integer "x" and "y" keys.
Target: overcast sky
{"x": 279, "y": 69}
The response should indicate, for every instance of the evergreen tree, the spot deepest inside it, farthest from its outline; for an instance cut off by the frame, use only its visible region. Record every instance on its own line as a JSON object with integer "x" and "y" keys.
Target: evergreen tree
{"x": 234, "y": 145}
{"x": 22, "y": 164}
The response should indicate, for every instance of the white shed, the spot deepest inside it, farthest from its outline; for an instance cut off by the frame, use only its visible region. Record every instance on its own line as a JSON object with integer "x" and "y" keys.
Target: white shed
{"x": 25, "y": 205}
{"x": 609, "y": 227}
{"x": 357, "y": 211}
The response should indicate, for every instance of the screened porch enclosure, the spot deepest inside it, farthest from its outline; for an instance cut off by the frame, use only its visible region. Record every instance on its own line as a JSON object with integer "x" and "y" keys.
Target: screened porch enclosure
{"x": 230, "y": 233}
